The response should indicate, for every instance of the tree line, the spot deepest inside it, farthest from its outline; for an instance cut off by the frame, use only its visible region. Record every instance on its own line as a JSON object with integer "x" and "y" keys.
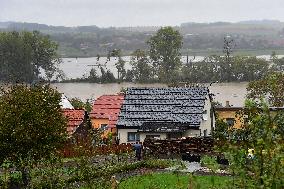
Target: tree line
{"x": 31, "y": 56}
{"x": 162, "y": 63}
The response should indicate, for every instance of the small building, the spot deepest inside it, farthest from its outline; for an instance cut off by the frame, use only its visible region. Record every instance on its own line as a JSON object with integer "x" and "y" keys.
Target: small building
{"x": 105, "y": 113}
{"x": 77, "y": 121}
{"x": 165, "y": 113}
{"x": 236, "y": 117}
{"x": 231, "y": 115}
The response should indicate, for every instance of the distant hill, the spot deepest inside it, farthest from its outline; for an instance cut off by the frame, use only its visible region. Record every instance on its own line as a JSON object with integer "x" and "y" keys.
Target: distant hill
{"x": 263, "y": 22}
{"x": 251, "y": 37}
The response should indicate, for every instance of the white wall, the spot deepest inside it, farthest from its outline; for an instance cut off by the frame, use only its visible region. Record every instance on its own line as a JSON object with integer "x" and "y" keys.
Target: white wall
{"x": 122, "y": 134}
{"x": 206, "y": 123}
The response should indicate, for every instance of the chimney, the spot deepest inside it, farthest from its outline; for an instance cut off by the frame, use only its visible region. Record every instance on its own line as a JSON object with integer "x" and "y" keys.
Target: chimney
{"x": 227, "y": 104}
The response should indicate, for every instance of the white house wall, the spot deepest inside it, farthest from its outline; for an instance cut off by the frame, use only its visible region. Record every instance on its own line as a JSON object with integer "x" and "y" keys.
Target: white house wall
{"x": 206, "y": 123}
{"x": 122, "y": 135}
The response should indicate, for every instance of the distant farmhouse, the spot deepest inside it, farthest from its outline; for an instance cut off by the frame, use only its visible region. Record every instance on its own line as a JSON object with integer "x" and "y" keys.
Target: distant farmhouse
{"x": 165, "y": 113}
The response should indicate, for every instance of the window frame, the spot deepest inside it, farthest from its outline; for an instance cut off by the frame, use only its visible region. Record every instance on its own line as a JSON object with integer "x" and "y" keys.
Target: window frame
{"x": 136, "y": 137}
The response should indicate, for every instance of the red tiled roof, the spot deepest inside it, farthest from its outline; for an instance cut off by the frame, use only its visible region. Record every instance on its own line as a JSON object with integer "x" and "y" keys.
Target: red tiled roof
{"x": 75, "y": 118}
{"x": 107, "y": 107}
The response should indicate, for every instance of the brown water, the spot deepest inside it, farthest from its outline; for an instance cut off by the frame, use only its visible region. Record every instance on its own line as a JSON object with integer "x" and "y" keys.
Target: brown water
{"x": 233, "y": 92}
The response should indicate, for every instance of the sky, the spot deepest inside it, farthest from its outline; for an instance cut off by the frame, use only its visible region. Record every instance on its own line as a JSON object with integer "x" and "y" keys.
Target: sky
{"x": 106, "y": 13}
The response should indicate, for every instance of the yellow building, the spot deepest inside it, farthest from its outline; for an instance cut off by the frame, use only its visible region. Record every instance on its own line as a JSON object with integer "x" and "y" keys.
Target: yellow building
{"x": 231, "y": 116}
{"x": 235, "y": 116}
{"x": 105, "y": 113}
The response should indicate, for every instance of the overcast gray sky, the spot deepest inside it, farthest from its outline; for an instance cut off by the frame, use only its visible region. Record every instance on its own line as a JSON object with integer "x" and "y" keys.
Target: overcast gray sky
{"x": 106, "y": 13}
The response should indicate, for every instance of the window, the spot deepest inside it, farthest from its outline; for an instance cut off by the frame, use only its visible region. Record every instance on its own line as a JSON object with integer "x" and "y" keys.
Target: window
{"x": 230, "y": 121}
{"x": 104, "y": 127}
{"x": 131, "y": 136}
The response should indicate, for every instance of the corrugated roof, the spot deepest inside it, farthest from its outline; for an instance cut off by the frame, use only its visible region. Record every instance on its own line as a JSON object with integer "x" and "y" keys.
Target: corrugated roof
{"x": 75, "y": 118}
{"x": 107, "y": 107}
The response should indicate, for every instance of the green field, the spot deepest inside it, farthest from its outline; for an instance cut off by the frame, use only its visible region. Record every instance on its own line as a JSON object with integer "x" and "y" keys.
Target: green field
{"x": 173, "y": 181}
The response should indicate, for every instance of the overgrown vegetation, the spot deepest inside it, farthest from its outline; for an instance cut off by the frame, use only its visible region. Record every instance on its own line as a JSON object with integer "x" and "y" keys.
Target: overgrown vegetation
{"x": 256, "y": 151}
{"x": 32, "y": 127}
{"x": 79, "y": 172}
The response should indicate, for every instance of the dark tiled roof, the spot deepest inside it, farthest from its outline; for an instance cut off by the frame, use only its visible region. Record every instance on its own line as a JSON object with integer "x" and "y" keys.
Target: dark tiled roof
{"x": 163, "y": 105}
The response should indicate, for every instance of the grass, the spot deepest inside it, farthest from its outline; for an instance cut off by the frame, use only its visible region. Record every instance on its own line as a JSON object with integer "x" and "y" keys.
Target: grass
{"x": 173, "y": 181}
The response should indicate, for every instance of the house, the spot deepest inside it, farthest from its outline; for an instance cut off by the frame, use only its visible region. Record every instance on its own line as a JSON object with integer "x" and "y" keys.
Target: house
{"x": 77, "y": 121}
{"x": 231, "y": 115}
{"x": 235, "y": 117}
{"x": 165, "y": 113}
{"x": 105, "y": 113}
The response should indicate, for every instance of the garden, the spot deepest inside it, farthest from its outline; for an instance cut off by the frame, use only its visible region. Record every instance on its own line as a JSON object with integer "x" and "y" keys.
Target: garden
{"x": 32, "y": 151}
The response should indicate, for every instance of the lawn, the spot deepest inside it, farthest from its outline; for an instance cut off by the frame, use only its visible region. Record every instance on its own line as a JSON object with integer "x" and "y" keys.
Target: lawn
{"x": 173, "y": 181}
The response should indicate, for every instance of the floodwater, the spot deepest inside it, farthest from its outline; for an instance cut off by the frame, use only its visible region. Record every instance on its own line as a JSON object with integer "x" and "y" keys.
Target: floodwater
{"x": 80, "y": 67}
{"x": 233, "y": 92}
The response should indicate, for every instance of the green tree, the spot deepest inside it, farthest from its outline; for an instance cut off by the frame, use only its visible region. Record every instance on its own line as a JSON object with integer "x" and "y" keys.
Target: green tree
{"x": 142, "y": 70}
{"x": 79, "y": 104}
{"x": 93, "y": 77}
{"x": 263, "y": 133}
{"x": 165, "y": 53}
{"x": 32, "y": 126}
{"x": 107, "y": 76}
{"x": 270, "y": 87}
{"x": 120, "y": 66}
{"x": 24, "y": 54}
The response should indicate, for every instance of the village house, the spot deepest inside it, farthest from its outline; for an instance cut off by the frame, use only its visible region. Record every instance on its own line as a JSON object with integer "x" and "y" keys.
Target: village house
{"x": 165, "y": 113}
{"x": 235, "y": 117}
{"x": 105, "y": 113}
{"x": 77, "y": 122}
{"x": 231, "y": 115}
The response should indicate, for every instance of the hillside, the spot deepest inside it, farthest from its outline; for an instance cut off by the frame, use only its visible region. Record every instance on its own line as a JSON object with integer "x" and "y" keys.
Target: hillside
{"x": 251, "y": 37}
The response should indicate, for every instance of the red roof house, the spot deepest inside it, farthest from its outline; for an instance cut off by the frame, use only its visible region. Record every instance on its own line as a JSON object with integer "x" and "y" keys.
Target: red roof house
{"x": 75, "y": 118}
{"x": 105, "y": 112}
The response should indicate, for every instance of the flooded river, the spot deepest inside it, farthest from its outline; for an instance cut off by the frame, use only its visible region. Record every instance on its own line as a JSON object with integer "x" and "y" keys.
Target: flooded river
{"x": 233, "y": 92}
{"x": 79, "y": 67}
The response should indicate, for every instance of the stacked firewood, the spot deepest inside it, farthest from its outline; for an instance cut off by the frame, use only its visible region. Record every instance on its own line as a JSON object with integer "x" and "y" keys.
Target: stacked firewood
{"x": 187, "y": 145}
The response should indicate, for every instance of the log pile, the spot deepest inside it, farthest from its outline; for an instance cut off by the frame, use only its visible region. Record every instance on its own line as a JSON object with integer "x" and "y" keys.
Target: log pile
{"x": 180, "y": 146}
